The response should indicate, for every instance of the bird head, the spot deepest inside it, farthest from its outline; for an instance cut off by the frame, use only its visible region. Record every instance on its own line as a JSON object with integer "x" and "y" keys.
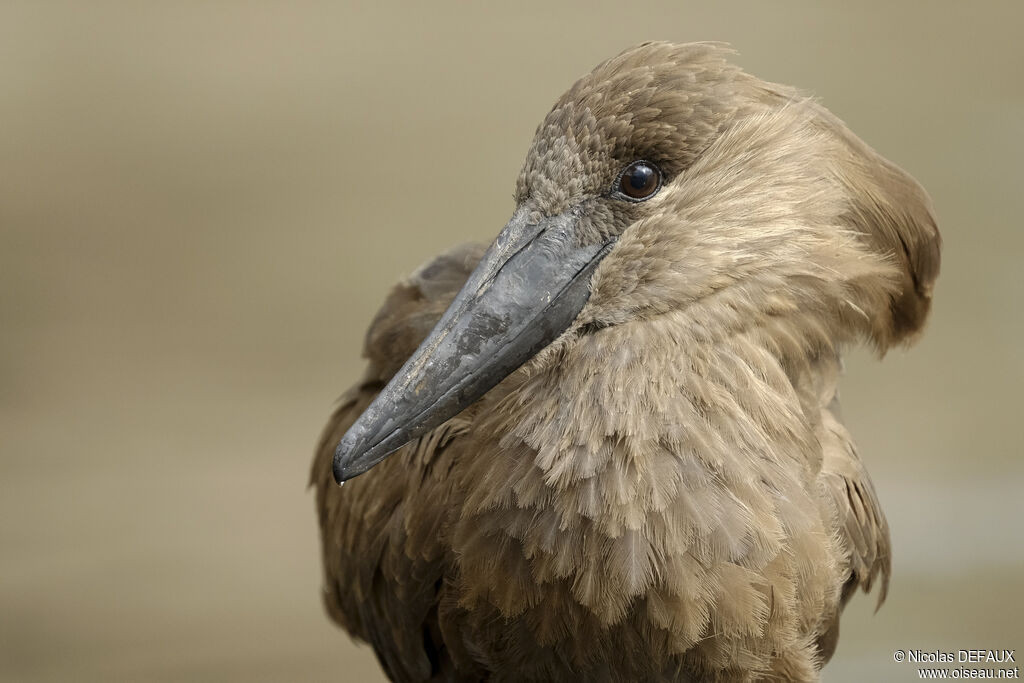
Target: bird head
{"x": 669, "y": 182}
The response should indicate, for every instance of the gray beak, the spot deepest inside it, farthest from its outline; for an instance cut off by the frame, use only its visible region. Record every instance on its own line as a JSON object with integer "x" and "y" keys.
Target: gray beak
{"x": 529, "y": 287}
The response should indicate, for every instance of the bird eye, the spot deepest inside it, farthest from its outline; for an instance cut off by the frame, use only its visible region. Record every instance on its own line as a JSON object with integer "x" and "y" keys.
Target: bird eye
{"x": 639, "y": 181}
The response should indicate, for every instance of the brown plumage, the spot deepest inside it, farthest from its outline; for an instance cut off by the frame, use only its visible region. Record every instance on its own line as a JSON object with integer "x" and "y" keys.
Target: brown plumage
{"x": 665, "y": 491}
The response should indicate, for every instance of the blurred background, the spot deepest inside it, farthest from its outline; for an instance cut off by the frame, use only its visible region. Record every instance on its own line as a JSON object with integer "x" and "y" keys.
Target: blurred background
{"x": 203, "y": 203}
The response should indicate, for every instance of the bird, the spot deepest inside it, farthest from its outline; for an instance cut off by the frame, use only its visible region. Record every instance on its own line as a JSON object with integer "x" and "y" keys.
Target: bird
{"x": 608, "y": 446}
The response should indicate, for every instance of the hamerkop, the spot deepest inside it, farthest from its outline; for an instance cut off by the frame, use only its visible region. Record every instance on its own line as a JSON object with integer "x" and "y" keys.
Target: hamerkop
{"x": 616, "y": 452}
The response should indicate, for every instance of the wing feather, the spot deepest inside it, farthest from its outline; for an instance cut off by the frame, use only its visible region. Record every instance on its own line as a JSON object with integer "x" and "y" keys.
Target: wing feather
{"x": 383, "y": 533}
{"x": 858, "y": 520}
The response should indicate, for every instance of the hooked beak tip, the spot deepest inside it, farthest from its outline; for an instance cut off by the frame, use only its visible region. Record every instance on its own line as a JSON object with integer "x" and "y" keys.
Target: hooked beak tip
{"x": 344, "y": 457}
{"x": 339, "y": 466}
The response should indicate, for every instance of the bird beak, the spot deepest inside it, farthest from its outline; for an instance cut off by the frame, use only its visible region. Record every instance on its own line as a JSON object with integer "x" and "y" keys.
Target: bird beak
{"x": 529, "y": 287}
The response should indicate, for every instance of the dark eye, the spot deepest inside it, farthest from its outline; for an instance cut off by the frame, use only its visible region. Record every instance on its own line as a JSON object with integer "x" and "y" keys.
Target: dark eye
{"x": 639, "y": 181}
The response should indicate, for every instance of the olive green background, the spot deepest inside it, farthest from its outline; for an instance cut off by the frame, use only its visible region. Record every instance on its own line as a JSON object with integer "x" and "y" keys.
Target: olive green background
{"x": 202, "y": 203}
